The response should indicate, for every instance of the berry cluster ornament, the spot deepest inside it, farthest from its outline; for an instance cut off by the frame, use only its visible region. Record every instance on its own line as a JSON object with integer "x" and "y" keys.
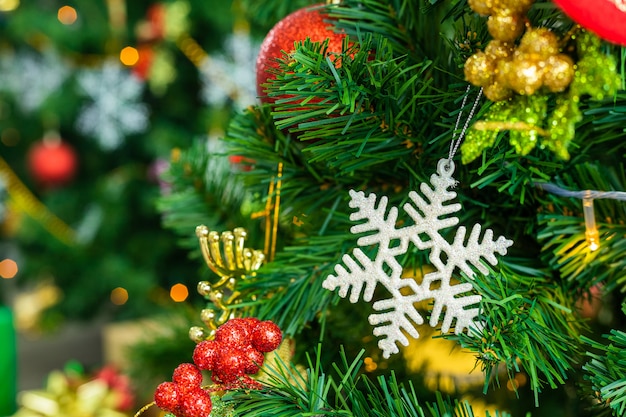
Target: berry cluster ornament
{"x": 184, "y": 396}
{"x": 309, "y": 22}
{"x": 237, "y": 350}
{"x": 503, "y": 70}
{"x": 506, "y": 17}
{"x": 52, "y": 162}
{"x": 606, "y": 18}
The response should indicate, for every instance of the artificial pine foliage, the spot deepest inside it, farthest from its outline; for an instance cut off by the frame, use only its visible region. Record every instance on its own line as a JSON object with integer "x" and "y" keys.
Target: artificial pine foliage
{"x": 377, "y": 118}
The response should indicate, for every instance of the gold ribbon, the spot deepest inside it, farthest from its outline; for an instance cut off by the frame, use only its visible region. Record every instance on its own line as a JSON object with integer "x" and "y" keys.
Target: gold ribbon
{"x": 24, "y": 200}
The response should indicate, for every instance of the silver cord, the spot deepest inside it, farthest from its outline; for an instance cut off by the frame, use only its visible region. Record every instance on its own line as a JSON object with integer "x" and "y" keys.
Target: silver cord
{"x": 454, "y": 146}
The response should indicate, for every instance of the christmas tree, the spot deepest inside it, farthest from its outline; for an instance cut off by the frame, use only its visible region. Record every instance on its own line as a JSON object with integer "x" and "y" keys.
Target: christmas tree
{"x": 385, "y": 131}
{"x": 96, "y": 98}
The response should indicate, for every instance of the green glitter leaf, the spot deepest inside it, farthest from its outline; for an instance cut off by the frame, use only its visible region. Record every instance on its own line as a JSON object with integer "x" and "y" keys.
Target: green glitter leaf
{"x": 596, "y": 72}
{"x": 476, "y": 141}
{"x": 532, "y": 111}
{"x": 562, "y": 127}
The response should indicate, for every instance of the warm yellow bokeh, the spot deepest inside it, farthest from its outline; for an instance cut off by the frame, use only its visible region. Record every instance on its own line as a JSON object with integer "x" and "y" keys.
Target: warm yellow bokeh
{"x": 119, "y": 296}
{"x": 67, "y": 15}
{"x": 179, "y": 293}
{"x": 129, "y": 56}
{"x": 8, "y": 268}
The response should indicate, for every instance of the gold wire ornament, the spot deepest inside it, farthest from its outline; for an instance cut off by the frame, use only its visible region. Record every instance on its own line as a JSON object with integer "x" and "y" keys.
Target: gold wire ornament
{"x": 225, "y": 254}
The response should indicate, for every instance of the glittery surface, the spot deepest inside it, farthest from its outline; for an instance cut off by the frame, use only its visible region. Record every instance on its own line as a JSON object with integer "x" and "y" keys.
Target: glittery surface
{"x": 237, "y": 350}
{"x": 502, "y": 69}
{"x": 303, "y": 23}
{"x": 358, "y": 276}
{"x": 167, "y": 397}
{"x": 205, "y": 353}
{"x": 266, "y": 336}
{"x": 187, "y": 376}
{"x": 197, "y": 403}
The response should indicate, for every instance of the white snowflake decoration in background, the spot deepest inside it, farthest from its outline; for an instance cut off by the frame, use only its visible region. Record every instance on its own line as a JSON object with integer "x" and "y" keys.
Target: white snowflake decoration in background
{"x": 231, "y": 76}
{"x": 31, "y": 78}
{"x": 114, "y": 110}
{"x": 398, "y": 313}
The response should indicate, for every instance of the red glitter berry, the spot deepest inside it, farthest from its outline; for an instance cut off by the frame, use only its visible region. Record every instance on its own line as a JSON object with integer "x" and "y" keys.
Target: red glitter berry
{"x": 234, "y": 334}
{"x": 230, "y": 366}
{"x": 266, "y": 336}
{"x": 167, "y": 397}
{"x": 197, "y": 403}
{"x": 187, "y": 376}
{"x": 251, "y": 323}
{"x": 255, "y": 360}
{"x": 205, "y": 353}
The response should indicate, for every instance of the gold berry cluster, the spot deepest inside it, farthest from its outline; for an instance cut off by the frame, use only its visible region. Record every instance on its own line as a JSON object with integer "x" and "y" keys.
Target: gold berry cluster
{"x": 504, "y": 68}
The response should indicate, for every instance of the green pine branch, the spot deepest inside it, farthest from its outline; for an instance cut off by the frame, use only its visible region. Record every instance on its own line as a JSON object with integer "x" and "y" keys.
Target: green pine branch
{"x": 344, "y": 392}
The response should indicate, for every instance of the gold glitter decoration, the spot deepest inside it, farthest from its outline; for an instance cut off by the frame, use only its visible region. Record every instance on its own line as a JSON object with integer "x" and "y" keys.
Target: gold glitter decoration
{"x": 525, "y": 116}
{"x": 535, "y": 63}
{"x": 505, "y": 27}
{"x": 226, "y": 255}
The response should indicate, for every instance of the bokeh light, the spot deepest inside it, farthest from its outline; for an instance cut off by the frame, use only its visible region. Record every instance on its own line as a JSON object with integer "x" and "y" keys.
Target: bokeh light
{"x": 9, "y": 5}
{"x": 119, "y": 296}
{"x": 8, "y": 268}
{"x": 129, "y": 56}
{"x": 179, "y": 293}
{"x": 67, "y": 15}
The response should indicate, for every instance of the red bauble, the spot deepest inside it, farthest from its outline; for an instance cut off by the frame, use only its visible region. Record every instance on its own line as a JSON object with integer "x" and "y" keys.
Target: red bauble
{"x": 187, "y": 376}
{"x": 606, "y": 18}
{"x": 266, "y": 336}
{"x": 299, "y": 25}
{"x": 52, "y": 162}
{"x": 205, "y": 353}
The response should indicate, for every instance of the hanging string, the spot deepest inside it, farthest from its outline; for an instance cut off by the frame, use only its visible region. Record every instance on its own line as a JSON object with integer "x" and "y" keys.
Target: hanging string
{"x": 456, "y": 142}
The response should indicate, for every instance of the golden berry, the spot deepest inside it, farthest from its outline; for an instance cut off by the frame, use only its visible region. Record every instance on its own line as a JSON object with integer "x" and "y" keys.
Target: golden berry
{"x": 479, "y": 69}
{"x": 559, "y": 72}
{"x": 525, "y": 75}
{"x": 505, "y": 27}
{"x": 539, "y": 41}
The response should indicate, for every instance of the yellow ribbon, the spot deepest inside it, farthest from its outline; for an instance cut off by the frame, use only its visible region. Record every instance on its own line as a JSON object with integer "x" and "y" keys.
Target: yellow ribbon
{"x": 24, "y": 200}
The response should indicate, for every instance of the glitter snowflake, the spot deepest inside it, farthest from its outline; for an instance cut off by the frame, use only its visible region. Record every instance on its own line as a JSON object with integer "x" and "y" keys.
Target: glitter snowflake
{"x": 397, "y": 314}
{"x": 114, "y": 110}
{"x": 31, "y": 78}
{"x": 230, "y": 76}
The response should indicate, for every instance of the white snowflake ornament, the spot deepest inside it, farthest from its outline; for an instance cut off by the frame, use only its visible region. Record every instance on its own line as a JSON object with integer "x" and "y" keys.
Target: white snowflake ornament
{"x": 361, "y": 275}
{"x": 31, "y": 78}
{"x": 114, "y": 110}
{"x": 230, "y": 76}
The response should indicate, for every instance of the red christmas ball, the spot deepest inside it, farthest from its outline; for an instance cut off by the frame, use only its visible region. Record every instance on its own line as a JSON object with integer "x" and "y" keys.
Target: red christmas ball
{"x": 299, "y": 25}
{"x": 205, "y": 353}
{"x": 266, "y": 336}
{"x": 606, "y": 18}
{"x": 167, "y": 397}
{"x": 52, "y": 162}
{"x": 187, "y": 376}
{"x": 197, "y": 403}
